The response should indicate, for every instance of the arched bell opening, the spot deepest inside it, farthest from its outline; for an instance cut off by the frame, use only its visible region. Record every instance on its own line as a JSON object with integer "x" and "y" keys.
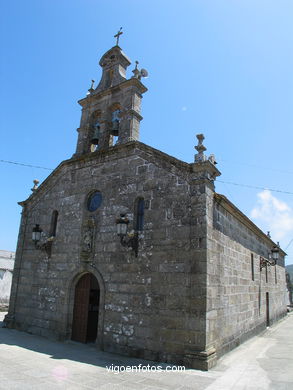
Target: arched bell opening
{"x": 114, "y": 119}
{"x": 95, "y": 134}
{"x": 85, "y": 318}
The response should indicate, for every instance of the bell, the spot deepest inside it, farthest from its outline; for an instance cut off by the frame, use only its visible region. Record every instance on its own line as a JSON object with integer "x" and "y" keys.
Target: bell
{"x": 115, "y": 128}
{"x": 96, "y": 136}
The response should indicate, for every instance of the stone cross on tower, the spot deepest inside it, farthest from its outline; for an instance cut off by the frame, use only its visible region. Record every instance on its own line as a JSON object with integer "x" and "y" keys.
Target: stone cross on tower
{"x": 118, "y": 36}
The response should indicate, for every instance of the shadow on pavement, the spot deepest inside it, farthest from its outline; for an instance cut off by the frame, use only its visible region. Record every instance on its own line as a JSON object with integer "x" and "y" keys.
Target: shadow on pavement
{"x": 70, "y": 350}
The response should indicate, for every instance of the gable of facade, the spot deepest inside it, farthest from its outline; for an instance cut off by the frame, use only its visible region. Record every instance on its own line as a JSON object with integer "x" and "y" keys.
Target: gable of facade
{"x": 140, "y": 297}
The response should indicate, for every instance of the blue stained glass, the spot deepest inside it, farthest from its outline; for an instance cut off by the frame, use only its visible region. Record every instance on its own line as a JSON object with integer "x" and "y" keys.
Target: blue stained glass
{"x": 94, "y": 201}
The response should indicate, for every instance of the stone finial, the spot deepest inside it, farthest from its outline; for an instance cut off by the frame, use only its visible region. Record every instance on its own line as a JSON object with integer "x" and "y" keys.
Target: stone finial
{"x": 36, "y": 184}
{"x": 200, "y": 156}
{"x": 269, "y": 234}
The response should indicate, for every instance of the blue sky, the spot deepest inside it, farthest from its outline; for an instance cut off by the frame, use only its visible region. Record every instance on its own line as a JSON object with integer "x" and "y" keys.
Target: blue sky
{"x": 223, "y": 68}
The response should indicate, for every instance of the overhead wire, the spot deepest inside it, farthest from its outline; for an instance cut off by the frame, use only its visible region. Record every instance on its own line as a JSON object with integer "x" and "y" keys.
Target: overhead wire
{"x": 255, "y": 166}
{"x": 289, "y": 244}
{"x": 255, "y": 187}
{"x": 219, "y": 181}
{"x": 25, "y": 165}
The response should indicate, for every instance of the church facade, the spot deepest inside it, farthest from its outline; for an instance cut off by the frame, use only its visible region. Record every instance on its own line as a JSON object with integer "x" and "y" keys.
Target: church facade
{"x": 132, "y": 249}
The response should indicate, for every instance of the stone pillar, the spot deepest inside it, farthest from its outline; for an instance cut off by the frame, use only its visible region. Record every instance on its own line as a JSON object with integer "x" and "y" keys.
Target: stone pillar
{"x": 82, "y": 141}
{"x": 104, "y": 141}
{"x": 129, "y": 126}
{"x": 201, "y": 355}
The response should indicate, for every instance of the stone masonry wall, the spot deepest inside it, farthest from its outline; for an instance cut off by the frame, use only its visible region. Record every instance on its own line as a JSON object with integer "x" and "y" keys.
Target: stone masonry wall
{"x": 147, "y": 307}
{"x": 236, "y": 305}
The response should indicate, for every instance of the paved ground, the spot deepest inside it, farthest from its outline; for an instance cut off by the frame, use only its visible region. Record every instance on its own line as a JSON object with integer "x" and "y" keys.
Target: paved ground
{"x": 32, "y": 362}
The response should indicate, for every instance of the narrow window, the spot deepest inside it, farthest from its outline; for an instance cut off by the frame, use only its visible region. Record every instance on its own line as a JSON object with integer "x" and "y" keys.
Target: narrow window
{"x": 266, "y": 273}
{"x": 139, "y": 214}
{"x": 54, "y": 223}
{"x": 252, "y": 267}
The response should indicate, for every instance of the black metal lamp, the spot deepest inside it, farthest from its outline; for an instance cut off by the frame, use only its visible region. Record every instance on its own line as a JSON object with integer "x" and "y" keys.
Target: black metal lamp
{"x": 275, "y": 254}
{"x": 40, "y": 240}
{"x": 37, "y": 233}
{"x": 122, "y": 225}
{"x": 127, "y": 239}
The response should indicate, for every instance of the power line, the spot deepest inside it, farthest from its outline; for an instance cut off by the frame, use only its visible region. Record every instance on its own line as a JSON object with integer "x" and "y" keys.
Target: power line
{"x": 255, "y": 187}
{"x": 289, "y": 244}
{"x": 219, "y": 181}
{"x": 255, "y": 166}
{"x": 25, "y": 165}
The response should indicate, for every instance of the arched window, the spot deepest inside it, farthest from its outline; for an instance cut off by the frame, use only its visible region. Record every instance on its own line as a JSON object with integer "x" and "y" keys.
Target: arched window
{"x": 139, "y": 214}
{"x": 54, "y": 220}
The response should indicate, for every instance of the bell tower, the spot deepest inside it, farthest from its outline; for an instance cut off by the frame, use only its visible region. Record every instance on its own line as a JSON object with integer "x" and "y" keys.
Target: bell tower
{"x": 111, "y": 111}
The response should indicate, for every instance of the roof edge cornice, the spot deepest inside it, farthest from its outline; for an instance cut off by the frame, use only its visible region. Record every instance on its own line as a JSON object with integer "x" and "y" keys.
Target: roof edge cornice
{"x": 232, "y": 209}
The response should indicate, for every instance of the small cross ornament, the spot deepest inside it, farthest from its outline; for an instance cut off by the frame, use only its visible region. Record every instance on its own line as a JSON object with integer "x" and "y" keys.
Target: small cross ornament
{"x": 117, "y": 36}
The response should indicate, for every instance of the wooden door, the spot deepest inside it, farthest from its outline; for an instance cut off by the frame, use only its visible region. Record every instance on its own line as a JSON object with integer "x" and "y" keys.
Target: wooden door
{"x": 80, "y": 309}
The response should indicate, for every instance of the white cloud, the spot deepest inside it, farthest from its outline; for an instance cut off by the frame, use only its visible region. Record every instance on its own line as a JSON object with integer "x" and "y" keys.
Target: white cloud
{"x": 184, "y": 108}
{"x": 273, "y": 215}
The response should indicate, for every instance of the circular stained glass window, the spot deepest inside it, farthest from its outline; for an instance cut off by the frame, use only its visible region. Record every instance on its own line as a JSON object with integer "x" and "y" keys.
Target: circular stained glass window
{"x": 94, "y": 201}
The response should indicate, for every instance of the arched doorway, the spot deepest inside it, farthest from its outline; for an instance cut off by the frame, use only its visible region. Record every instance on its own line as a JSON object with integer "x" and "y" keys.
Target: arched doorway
{"x": 86, "y": 309}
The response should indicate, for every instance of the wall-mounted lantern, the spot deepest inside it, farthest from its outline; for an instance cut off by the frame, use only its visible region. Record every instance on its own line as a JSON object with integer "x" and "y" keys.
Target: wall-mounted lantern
{"x": 37, "y": 234}
{"x": 41, "y": 241}
{"x": 127, "y": 239}
{"x": 272, "y": 260}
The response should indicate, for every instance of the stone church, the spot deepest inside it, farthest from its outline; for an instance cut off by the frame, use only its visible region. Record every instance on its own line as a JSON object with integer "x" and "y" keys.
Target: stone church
{"x": 132, "y": 249}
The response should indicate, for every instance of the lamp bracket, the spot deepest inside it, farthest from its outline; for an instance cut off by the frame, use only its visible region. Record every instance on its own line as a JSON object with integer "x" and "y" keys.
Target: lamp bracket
{"x": 45, "y": 244}
{"x": 266, "y": 262}
{"x": 130, "y": 241}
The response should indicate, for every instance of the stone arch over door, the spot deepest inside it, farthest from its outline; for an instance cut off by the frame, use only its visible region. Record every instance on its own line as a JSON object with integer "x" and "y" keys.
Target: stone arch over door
{"x": 81, "y": 299}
